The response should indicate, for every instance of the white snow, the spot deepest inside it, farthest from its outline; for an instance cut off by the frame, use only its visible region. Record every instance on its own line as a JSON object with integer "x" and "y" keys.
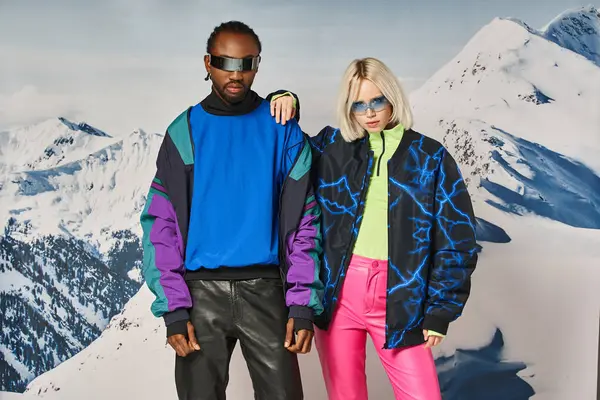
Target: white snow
{"x": 16, "y": 283}
{"x": 13, "y": 396}
{"x": 13, "y": 280}
{"x": 541, "y": 293}
{"x": 138, "y": 357}
{"x": 77, "y": 195}
{"x": 46, "y": 145}
{"x": 72, "y": 193}
{"x": 541, "y": 289}
{"x": 577, "y": 30}
{"x": 10, "y": 358}
{"x": 516, "y": 61}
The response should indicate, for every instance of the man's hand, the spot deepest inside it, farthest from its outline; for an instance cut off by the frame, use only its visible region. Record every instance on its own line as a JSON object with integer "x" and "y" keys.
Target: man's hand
{"x": 182, "y": 346}
{"x": 303, "y": 342}
{"x": 431, "y": 340}
{"x": 282, "y": 108}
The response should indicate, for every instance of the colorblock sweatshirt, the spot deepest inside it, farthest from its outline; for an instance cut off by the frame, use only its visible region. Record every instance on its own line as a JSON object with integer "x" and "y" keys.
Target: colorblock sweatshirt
{"x": 232, "y": 196}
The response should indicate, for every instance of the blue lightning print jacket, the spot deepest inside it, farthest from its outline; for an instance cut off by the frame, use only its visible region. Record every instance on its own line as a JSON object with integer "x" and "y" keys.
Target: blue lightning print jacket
{"x": 432, "y": 247}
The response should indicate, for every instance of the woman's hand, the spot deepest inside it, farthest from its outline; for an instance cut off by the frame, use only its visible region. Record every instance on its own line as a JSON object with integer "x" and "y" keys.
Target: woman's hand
{"x": 282, "y": 108}
{"x": 431, "y": 340}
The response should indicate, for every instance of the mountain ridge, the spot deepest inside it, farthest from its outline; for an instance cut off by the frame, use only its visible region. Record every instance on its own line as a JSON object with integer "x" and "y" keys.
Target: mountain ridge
{"x": 66, "y": 267}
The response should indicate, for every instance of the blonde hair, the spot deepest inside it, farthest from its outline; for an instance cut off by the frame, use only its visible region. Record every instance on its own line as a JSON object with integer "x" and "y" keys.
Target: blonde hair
{"x": 377, "y": 72}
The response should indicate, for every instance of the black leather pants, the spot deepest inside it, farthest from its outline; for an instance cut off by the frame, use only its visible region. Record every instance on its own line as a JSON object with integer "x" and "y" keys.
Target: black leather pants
{"x": 253, "y": 312}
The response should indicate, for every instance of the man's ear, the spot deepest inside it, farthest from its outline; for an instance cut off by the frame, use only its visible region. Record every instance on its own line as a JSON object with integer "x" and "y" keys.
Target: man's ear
{"x": 207, "y": 67}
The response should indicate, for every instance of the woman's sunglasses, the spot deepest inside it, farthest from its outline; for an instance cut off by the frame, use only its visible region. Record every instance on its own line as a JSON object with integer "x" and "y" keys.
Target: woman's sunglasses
{"x": 377, "y": 104}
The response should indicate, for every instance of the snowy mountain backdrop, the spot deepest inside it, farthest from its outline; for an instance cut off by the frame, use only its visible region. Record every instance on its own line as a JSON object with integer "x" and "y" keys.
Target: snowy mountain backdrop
{"x": 517, "y": 107}
{"x": 70, "y": 251}
{"x": 521, "y": 115}
{"x": 520, "y": 111}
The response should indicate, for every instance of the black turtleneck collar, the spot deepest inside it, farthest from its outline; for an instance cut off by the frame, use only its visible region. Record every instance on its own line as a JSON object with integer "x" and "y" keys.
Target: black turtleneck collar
{"x": 213, "y": 104}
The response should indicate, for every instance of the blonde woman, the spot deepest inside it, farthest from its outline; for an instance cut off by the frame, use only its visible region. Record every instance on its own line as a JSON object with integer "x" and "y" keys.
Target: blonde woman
{"x": 398, "y": 237}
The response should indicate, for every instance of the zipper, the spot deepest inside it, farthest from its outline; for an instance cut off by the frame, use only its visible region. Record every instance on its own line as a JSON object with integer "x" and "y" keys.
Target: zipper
{"x": 351, "y": 246}
{"x": 382, "y": 153}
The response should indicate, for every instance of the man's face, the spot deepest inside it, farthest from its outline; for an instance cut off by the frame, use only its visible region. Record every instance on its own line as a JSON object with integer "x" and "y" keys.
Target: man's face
{"x": 232, "y": 86}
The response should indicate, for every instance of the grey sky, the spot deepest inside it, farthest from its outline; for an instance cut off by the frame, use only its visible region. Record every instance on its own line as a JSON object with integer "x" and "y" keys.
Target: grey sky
{"x": 123, "y": 64}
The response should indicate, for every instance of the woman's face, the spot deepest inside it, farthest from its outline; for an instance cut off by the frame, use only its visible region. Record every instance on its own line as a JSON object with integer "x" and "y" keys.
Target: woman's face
{"x": 371, "y": 109}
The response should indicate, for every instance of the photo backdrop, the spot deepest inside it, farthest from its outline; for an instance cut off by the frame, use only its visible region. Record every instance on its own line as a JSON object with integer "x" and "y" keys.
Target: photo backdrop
{"x": 511, "y": 88}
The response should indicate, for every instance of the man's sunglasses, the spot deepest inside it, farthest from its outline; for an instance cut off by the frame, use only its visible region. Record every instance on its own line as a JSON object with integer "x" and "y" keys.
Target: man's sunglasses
{"x": 377, "y": 104}
{"x": 234, "y": 64}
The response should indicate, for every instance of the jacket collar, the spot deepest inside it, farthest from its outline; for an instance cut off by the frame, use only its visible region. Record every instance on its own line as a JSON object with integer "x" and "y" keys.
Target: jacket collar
{"x": 213, "y": 104}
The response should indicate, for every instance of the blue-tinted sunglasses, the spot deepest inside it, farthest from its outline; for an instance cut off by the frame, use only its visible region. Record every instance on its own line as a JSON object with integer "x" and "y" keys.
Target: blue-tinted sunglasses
{"x": 377, "y": 104}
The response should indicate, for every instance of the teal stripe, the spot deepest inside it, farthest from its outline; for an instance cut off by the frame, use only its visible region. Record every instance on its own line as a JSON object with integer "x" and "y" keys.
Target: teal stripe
{"x": 156, "y": 180}
{"x": 158, "y": 192}
{"x": 149, "y": 269}
{"x": 309, "y": 200}
{"x": 179, "y": 131}
{"x": 302, "y": 166}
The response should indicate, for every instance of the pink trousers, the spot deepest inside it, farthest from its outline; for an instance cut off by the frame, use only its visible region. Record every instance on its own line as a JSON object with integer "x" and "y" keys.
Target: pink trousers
{"x": 342, "y": 348}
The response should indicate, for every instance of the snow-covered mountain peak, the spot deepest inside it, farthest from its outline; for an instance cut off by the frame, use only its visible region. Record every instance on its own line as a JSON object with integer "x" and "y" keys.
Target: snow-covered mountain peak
{"x": 70, "y": 254}
{"x": 98, "y": 185}
{"x": 518, "y": 80}
{"x": 520, "y": 114}
{"x": 83, "y": 127}
{"x": 516, "y": 21}
{"x": 579, "y": 16}
{"x": 142, "y": 137}
{"x": 577, "y": 30}
{"x": 48, "y": 144}
{"x": 500, "y": 34}
{"x": 138, "y": 132}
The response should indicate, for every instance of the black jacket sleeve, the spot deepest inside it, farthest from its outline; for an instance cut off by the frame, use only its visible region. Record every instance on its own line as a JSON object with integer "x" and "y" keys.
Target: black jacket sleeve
{"x": 282, "y": 91}
{"x": 454, "y": 248}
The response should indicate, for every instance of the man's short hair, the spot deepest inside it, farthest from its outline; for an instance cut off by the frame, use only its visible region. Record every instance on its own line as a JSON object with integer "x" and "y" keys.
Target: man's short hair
{"x": 231, "y": 27}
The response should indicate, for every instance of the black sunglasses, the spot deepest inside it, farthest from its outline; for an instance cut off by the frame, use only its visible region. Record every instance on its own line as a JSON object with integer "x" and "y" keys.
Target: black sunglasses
{"x": 234, "y": 64}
